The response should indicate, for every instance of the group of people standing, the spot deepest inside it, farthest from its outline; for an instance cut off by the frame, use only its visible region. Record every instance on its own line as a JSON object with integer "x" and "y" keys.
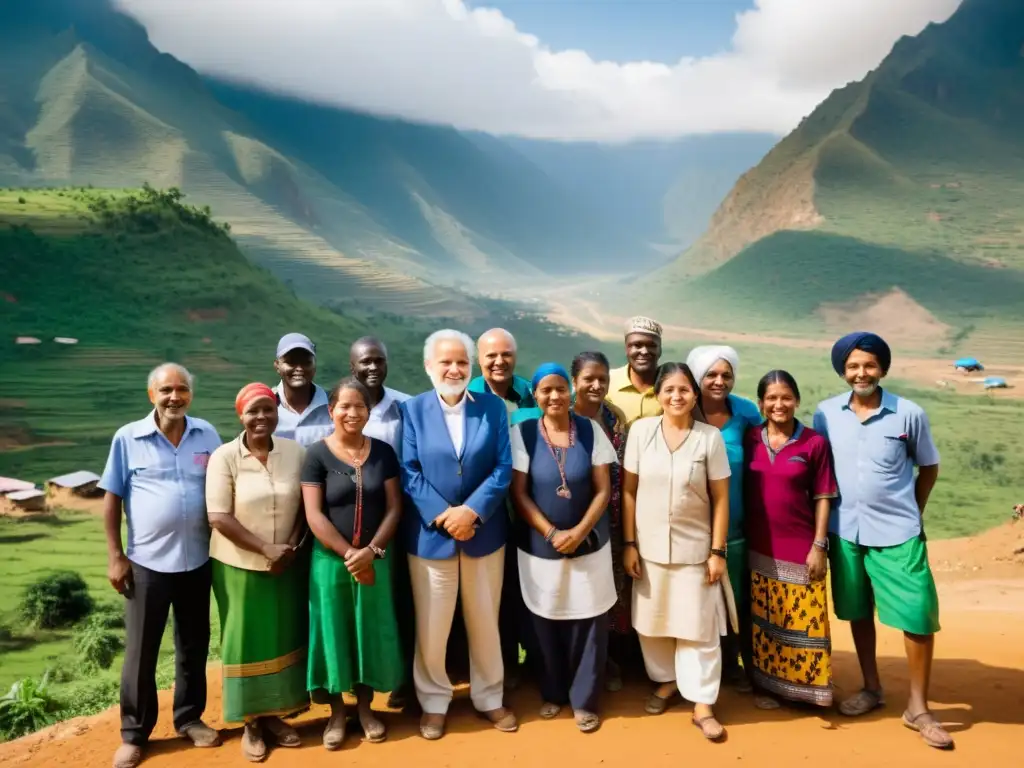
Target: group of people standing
{"x": 343, "y": 532}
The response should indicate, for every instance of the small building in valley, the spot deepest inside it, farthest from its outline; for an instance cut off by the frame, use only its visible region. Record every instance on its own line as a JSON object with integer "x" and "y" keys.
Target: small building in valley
{"x": 25, "y": 503}
{"x": 72, "y": 489}
{"x": 10, "y": 485}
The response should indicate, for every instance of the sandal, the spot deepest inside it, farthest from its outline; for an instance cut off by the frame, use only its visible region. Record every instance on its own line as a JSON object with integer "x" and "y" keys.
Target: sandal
{"x": 282, "y": 733}
{"x": 861, "y": 703}
{"x": 549, "y": 710}
{"x": 373, "y": 729}
{"x": 710, "y": 727}
{"x": 587, "y": 722}
{"x": 431, "y": 726}
{"x": 254, "y": 748}
{"x": 502, "y": 719}
{"x": 334, "y": 733}
{"x": 766, "y": 702}
{"x": 656, "y": 704}
{"x": 932, "y": 732}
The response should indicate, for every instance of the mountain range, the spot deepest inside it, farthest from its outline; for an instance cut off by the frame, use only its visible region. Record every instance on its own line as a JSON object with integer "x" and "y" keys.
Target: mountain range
{"x": 899, "y": 196}
{"x": 353, "y": 211}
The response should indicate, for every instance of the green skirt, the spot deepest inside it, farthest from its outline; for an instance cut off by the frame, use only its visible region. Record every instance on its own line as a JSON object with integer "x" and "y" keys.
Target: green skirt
{"x": 353, "y": 633}
{"x": 262, "y": 641}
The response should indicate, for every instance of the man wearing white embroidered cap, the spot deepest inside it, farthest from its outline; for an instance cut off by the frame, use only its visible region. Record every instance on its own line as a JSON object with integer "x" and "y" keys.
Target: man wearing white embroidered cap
{"x": 631, "y": 387}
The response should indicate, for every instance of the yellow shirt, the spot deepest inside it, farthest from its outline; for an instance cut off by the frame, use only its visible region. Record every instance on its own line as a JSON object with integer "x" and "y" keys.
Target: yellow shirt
{"x": 633, "y": 403}
{"x": 264, "y": 499}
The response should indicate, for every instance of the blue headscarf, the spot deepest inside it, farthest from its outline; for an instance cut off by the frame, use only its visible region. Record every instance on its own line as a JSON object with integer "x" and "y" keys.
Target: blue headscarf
{"x": 549, "y": 369}
{"x": 867, "y": 342}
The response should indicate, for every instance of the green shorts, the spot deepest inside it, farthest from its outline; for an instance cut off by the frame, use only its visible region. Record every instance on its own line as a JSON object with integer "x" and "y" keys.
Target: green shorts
{"x": 897, "y": 581}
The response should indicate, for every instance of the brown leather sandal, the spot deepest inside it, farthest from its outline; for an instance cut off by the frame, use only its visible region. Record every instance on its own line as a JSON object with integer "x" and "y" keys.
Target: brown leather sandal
{"x": 710, "y": 727}
{"x": 657, "y": 705}
{"x": 502, "y": 718}
{"x": 931, "y": 731}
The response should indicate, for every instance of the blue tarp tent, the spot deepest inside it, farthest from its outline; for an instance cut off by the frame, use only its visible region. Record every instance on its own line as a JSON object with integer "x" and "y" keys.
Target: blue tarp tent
{"x": 968, "y": 364}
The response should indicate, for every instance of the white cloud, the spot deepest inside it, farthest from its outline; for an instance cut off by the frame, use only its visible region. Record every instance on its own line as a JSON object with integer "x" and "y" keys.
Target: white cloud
{"x": 440, "y": 61}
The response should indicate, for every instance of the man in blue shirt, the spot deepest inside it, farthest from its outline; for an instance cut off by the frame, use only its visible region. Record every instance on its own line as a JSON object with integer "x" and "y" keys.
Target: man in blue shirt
{"x": 156, "y": 473}
{"x": 302, "y": 412}
{"x": 879, "y": 559}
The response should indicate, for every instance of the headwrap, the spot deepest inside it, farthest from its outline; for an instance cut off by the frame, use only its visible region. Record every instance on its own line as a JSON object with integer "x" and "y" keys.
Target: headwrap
{"x": 641, "y": 324}
{"x": 549, "y": 369}
{"x": 250, "y": 392}
{"x": 865, "y": 341}
{"x": 702, "y": 359}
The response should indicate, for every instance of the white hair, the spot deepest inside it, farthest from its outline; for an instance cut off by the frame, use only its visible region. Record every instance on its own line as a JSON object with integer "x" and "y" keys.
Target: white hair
{"x": 181, "y": 369}
{"x": 447, "y": 334}
{"x": 508, "y": 337}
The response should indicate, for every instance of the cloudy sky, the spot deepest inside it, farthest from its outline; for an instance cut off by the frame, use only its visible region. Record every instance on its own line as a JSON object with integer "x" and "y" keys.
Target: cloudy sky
{"x": 606, "y": 70}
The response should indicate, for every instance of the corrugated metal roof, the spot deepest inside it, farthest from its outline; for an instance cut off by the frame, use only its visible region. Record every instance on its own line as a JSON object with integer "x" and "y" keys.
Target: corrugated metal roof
{"x": 25, "y": 495}
{"x": 9, "y": 484}
{"x": 75, "y": 479}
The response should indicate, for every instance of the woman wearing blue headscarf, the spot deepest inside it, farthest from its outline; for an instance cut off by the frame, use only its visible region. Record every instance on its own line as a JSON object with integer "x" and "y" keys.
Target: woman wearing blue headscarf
{"x": 560, "y": 488}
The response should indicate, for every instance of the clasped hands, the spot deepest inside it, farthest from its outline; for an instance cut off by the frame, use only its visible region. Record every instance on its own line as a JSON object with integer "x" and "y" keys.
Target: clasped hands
{"x": 458, "y": 521}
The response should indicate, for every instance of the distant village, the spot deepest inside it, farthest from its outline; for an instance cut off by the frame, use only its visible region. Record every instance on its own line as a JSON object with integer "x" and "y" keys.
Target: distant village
{"x": 76, "y": 490}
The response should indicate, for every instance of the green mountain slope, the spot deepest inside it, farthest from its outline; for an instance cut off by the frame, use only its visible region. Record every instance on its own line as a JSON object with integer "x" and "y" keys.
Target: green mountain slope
{"x": 920, "y": 164}
{"x": 139, "y": 278}
{"x": 356, "y": 211}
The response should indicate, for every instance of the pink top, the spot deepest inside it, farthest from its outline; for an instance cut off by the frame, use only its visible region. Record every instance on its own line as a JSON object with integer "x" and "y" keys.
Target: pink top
{"x": 780, "y": 489}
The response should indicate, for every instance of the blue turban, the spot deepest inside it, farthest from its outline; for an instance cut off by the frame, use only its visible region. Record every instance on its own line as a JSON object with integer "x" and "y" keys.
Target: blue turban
{"x": 549, "y": 369}
{"x": 867, "y": 342}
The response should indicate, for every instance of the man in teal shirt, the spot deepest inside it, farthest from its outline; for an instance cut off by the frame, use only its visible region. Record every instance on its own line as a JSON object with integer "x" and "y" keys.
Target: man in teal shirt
{"x": 496, "y": 351}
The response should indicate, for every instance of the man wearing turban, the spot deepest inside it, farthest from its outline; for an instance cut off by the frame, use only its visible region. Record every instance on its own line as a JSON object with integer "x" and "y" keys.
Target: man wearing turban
{"x": 631, "y": 387}
{"x": 878, "y": 554}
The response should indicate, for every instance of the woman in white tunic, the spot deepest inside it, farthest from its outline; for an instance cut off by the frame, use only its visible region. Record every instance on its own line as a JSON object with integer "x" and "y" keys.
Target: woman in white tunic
{"x": 560, "y": 487}
{"x": 675, "y": 519}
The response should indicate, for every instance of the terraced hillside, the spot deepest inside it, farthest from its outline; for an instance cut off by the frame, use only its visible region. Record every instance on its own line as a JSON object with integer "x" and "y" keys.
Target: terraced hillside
{"x": 362, "y": 212}
{"x": 906, "y": 180}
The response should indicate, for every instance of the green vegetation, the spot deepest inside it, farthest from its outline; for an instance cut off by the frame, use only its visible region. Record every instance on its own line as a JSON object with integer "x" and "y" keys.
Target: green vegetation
{"x": 26, "y": 707}
{"x": 56, "y": 601}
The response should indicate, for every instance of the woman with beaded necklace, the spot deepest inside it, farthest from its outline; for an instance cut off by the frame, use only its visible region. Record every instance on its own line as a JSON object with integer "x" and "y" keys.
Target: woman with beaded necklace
{"x": 560, "y": 488}
{"x": 353, "y": 499}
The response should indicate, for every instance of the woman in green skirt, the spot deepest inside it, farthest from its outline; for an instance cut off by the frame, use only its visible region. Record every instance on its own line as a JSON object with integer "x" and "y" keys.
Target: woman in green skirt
{"x": 254, "y": 504}
{"x": 353, "y": 499}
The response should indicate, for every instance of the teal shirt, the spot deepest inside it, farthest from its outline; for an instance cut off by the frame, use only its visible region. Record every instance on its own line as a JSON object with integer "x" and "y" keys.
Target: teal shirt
{"x": 520, "y": 394}
{"x": 744, "y": 416}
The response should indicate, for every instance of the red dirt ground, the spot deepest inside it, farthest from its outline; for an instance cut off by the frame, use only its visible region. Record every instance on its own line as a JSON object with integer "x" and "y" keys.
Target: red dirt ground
{"x": 977, "y": 690}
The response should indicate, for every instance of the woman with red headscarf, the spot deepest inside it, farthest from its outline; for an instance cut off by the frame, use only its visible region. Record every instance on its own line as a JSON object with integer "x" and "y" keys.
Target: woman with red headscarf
{"x": 254, "y": 502}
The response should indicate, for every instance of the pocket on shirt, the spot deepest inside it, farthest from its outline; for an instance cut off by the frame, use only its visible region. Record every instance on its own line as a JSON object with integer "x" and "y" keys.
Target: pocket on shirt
{"x": 698, "y": 482}
{"x": 891, "y": 453}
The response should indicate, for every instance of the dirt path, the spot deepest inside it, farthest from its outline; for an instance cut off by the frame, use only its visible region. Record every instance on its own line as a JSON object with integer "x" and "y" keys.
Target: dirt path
{"x": 935, "y": 373}
{"x": 978, "y": 691}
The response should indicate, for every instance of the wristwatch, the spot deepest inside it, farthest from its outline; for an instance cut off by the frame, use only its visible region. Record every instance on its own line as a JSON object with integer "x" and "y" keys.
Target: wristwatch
{"x": 720, "y": 552}
{"x": 378, "y": 553}
{"x": 821, "y": 544}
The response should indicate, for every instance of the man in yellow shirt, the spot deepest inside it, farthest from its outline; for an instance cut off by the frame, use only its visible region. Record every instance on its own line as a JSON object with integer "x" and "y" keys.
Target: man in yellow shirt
{"x": 631, "y": 387}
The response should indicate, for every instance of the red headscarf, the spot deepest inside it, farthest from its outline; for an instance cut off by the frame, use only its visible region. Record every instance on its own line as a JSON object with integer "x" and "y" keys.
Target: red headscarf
{"x": 250, "y": 392}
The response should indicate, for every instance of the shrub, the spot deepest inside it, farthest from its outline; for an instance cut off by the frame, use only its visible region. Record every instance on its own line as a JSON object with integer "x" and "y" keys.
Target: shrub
{"x": 27, "y": 707}
{"x": 109, "y": 615}
{"x": 57, "y": 600}
{"x": 21, "y": 201}
{"x": 96, "y": 645}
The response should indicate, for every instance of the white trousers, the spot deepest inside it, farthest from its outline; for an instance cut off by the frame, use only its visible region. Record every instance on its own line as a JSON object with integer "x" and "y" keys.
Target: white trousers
{"x": 695, "y": 667}
{"x": 436, "y": 585}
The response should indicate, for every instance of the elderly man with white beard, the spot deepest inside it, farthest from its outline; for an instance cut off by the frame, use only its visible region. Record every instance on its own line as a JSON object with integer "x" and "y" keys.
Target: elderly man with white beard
{"x": 456, "y": 469}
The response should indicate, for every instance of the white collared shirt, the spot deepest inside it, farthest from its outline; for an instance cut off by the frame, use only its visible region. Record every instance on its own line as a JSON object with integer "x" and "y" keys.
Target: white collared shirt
{"x": 454, "y": 420}
{"x": 310, "y": 426}
{"x": 385, "y": 422}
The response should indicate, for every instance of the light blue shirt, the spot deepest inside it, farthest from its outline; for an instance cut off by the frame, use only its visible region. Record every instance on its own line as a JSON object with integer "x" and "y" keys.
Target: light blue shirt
{"x": 744, "y": 416}
{"x": 306, "y": 428}
{"x": 164, "y": 492}
{"x": 385, "y": 421}
{"x": 874, "y": 464}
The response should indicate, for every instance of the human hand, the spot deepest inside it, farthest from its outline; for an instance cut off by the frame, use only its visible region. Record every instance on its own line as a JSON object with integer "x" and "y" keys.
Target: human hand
{"x": 631, "y": 562}
{"x": 359, "y": 560}
{"x": 119, "y": 573}
{"x": 439, "y": 521}
{"x": 817, "y": 563}
{"x": 278, "y": 556}
{"x": 716, "y": 568}
{"x": 460, "y": 523}
{"x": 566, "y": 542}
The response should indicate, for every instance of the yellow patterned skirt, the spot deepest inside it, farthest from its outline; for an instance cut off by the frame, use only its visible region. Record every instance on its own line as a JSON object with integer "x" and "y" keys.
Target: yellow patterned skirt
{"x": 792, "y": 644}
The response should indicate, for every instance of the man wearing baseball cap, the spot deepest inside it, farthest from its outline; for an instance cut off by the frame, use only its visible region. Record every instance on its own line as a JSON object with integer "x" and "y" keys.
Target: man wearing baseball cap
{"x": 302, "y": 411}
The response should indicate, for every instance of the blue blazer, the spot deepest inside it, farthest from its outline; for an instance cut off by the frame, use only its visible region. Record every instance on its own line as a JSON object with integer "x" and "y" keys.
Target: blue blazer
{"x": 434, "y": 478}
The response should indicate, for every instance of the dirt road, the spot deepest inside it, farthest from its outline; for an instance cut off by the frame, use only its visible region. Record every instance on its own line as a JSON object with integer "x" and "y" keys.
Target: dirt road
{"x": 978, "y": 691}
